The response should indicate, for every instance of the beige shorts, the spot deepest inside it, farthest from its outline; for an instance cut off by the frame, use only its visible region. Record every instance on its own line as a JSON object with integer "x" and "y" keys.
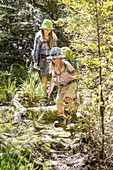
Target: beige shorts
{"x": 66, "y": 91}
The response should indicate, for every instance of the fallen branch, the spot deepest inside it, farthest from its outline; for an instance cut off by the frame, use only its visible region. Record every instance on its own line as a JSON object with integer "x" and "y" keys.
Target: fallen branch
{"x": 44, "y": 108}
{"x": 17, "y": 115}
{"x": 5, "y": 108}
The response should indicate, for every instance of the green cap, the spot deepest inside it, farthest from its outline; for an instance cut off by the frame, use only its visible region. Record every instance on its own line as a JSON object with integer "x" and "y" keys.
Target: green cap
{"x": 55, "y": 53}
{"x": 47, "y": 24}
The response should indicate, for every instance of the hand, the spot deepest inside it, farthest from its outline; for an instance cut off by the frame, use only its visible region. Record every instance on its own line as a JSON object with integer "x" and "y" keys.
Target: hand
{"x": 72, "y": 78}
{"x": 35, "y": 66}
{"x": 49, "y": 93}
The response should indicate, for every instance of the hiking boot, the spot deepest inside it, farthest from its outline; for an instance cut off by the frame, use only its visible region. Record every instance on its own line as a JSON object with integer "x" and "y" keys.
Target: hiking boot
{"x": 60, "y": 122}
{"x": 68, "y": 121}
{"x": 74, "y": 118}
{"x": 68, "y": 117}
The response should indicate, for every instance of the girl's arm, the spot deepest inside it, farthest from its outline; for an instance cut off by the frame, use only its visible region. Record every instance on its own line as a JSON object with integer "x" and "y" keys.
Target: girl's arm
{"x": 74, "y": 76}
{"x": 51, "y": 86}
{"x": 36, "y": 50}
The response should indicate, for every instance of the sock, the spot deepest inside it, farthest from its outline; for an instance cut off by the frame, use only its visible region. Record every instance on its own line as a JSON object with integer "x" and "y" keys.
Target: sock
{"x": 61, "y": 113}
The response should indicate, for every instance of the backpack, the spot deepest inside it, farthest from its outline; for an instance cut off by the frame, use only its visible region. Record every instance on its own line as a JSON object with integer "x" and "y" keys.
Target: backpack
{"x": 69, "y": 57}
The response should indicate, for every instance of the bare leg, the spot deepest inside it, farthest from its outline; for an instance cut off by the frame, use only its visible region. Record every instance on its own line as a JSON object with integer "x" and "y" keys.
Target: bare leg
{"x": 61, "y": 120}
{"x": 44, "y": 83}
{"x": 72, "y": 109}
{"x": 71, "y": 103}
{"x": 61, "y": 110}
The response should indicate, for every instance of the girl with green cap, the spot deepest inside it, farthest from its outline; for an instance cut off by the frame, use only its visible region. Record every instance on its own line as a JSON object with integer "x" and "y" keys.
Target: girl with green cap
{"x": 66, "y": 77}
{"x": 45, "y": 39}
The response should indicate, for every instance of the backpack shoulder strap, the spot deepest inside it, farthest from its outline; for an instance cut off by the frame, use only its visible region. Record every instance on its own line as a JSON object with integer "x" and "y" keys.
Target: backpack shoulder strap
{"x": 66, "y": 68}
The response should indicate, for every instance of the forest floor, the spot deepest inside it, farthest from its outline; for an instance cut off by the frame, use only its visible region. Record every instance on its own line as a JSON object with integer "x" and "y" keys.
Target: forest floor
{"x": 50, "y": 147}
{"x": 28, "y": 136}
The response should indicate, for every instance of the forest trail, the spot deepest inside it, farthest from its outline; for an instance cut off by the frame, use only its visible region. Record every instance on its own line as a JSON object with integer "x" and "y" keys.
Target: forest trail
{"x": 51, "y": 148}
{"x": 57, "y": 150}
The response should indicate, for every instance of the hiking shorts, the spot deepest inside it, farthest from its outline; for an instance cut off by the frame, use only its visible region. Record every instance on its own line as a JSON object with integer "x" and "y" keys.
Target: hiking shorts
{"x": 66, "y": 91}
{"x": 44, "y": 67}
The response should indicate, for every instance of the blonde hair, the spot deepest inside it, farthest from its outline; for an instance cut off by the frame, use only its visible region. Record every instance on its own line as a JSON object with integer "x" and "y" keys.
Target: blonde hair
{"x": 58, "y": 68}
{"x": 52, "y": 38}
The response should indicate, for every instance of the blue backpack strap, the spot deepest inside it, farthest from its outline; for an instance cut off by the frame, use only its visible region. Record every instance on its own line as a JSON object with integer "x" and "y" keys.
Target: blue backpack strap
{"x": 75, "y": 64}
